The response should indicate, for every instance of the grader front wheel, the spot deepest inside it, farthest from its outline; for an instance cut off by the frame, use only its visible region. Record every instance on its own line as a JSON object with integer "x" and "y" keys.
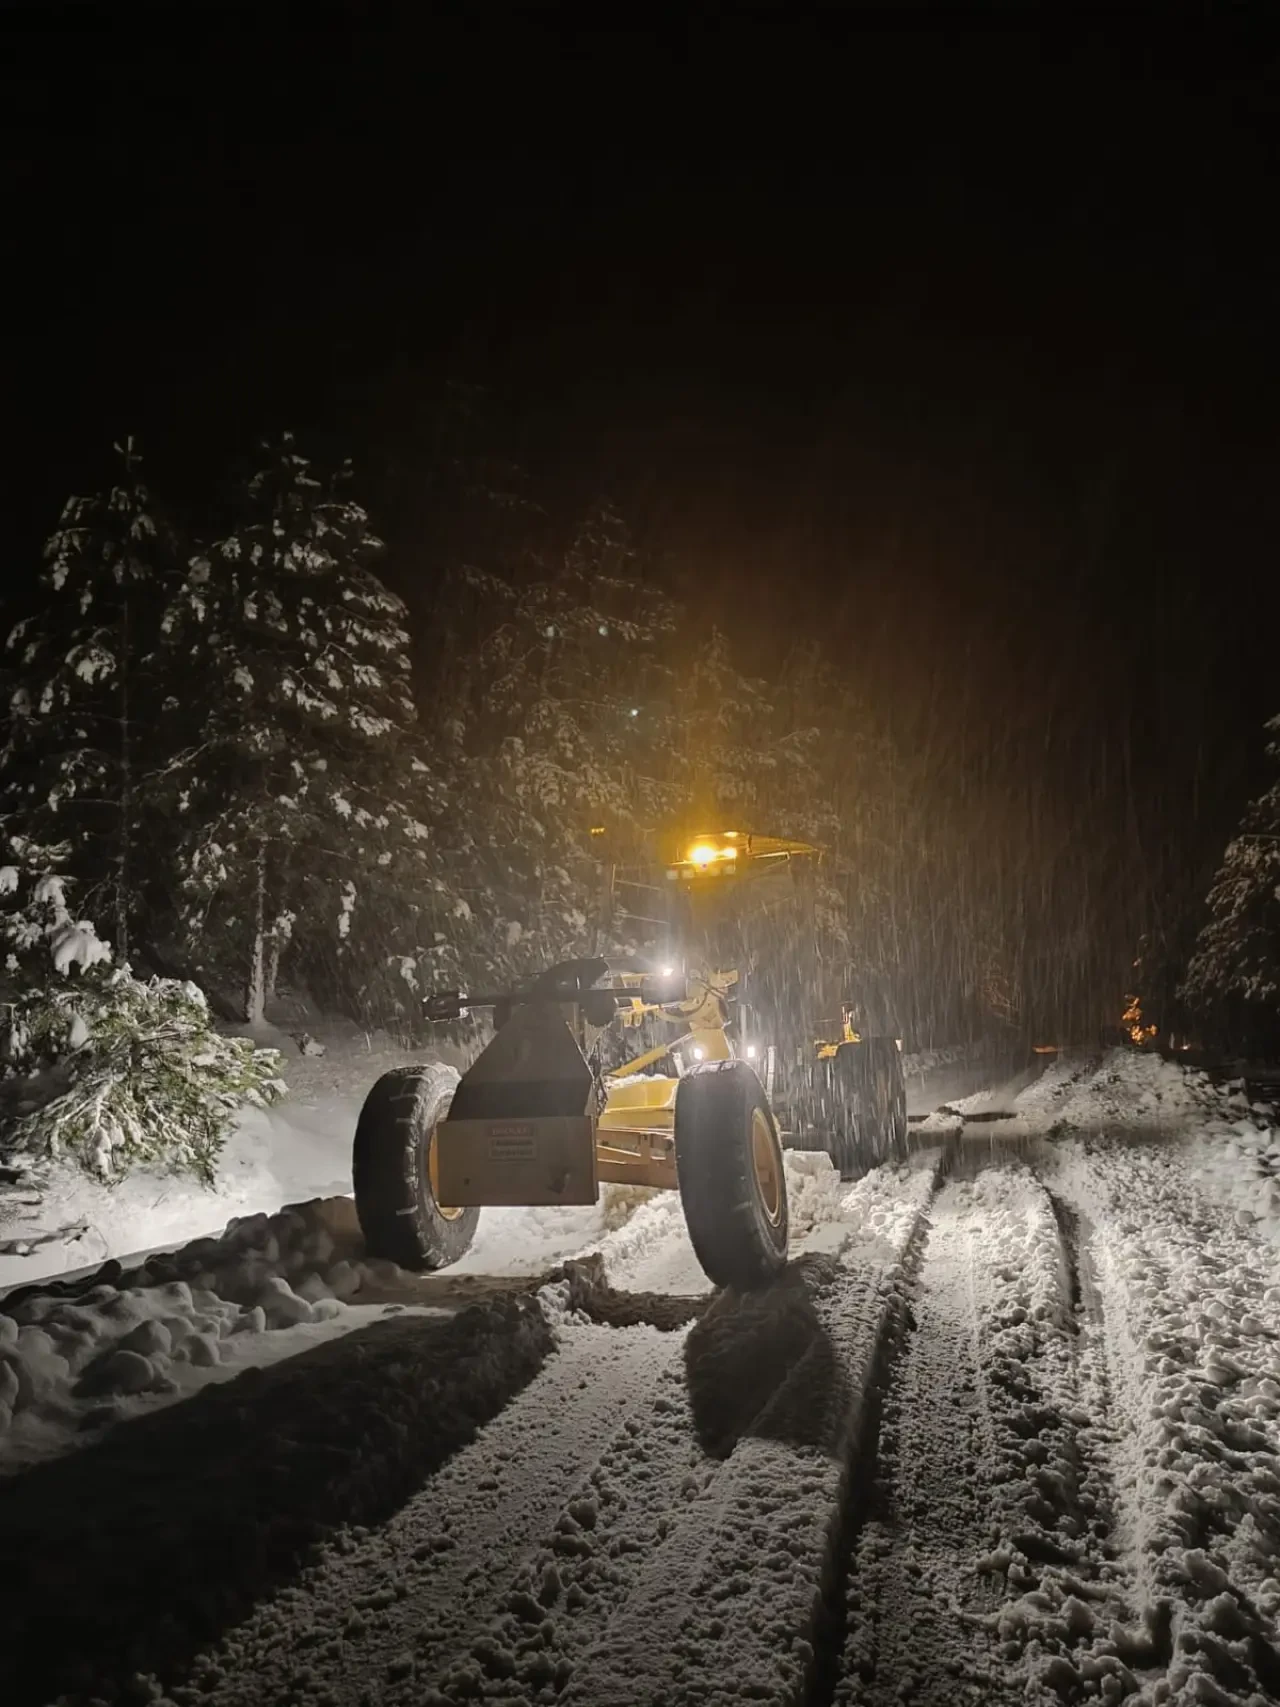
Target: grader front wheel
{"x": 729, "y": 1165}
{"x": 393, "y": 1165}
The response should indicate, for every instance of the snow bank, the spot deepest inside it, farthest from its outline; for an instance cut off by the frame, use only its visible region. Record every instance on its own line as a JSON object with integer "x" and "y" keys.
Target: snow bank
{"x": 1235, "y": 1158}
{"x": 958, "y": 1055}
{"x": 1231, "y": 1143}
{"x": 77, "y": 1358}
{"x": 67, "y": 1221}
{"x": 296, "y": 1150}
{"x": 1127, "y": 1088}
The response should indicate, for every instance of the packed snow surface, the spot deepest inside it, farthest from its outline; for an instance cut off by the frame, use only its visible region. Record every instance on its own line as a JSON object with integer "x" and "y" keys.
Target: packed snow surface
{"x": 1006, "y": 1430}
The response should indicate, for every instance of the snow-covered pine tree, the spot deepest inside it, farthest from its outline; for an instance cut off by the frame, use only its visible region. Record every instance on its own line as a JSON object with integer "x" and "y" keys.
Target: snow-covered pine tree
{"x": 1233, "y": 976}
{"x": 96, "y": 1065}
{"x": 725, "y": 739}
{"x": 298, "y": 793}
{"x": 558, "y": 721}
{"x": 80, "y": 691}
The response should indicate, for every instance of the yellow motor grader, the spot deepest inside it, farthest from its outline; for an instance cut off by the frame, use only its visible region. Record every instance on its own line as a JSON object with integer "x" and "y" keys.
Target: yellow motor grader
{"x": 538, "y": 1119}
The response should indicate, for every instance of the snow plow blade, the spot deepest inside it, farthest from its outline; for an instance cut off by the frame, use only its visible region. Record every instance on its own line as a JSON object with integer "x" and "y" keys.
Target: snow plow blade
{"x": 551, "y": 1159}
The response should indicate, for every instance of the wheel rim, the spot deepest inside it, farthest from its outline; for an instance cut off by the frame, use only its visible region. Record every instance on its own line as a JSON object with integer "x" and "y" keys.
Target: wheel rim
{"x": 767, "y": 1166}
{"x": 433, "y": 1179}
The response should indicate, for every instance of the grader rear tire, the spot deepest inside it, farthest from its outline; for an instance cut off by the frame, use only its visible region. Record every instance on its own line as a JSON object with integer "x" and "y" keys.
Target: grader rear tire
{"x": 393, "y": 1167}
{"x": 870, "y": 1106}
{"x": 729, "y": 1165}
{"x": 897, "y": 1126}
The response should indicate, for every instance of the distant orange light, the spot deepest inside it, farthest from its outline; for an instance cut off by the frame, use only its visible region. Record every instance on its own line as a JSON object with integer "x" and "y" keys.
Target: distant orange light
{"x": 1134, "y": 1022}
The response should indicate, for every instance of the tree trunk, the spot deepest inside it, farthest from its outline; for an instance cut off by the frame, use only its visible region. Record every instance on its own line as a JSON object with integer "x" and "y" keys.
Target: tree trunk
{"x": 126, "y": 797}
{"x": 273, "y": 965}
{"x": 256, "y": 993}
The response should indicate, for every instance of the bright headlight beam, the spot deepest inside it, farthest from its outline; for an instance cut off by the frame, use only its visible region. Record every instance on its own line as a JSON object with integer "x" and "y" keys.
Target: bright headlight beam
{"x": 704, "y": 853}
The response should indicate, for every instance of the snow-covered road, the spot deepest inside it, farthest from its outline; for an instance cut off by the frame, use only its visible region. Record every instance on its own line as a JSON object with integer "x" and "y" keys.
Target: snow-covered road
{"x": 1008, "y": 1429}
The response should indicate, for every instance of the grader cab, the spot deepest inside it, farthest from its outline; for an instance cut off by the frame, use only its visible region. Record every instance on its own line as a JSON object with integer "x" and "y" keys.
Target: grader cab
{"x": 548, "y": 1111}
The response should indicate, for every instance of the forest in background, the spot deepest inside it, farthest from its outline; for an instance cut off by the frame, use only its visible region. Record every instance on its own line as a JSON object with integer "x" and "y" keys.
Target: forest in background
{"x": 252, "y": 764}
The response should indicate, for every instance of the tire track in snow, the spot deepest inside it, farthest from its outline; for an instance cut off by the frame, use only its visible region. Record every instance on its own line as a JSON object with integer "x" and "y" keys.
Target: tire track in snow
{"x": 176, "y": 1524}
{"x": 916, "y": 1564}
{"x": 682, "y": 1561}
{"x": 380, "y": 1612}
{"x": 729, "y": 1608}
{"x": 986, "y": 1566}
{"x": 652, "y": 1520}
{"x": 1192, "y": 1302}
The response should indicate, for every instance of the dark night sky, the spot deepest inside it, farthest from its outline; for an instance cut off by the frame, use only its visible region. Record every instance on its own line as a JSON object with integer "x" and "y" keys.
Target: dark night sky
{"x": 956, "y": 346}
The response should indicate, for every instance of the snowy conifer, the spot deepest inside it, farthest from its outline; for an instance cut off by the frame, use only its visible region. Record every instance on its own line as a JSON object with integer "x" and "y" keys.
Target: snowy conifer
{"x": 296, "y": 791}
{"x": 557, "y": 721}
{"x": 1234, "y": 972}
{"x": 80, "y": 694}
{"x": 100, "y": 1067}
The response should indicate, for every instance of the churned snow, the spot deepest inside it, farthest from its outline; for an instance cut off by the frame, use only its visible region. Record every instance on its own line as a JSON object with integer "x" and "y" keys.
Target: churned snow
{"x": 1228, "y": 1143}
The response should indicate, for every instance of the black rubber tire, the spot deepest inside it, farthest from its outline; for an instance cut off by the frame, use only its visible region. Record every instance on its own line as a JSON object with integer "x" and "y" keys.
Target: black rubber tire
{"x": 869, "y": 1106}
{"x": 735, "y": 1237}
{"x": 399, "y": 1216}
{"x": 899, "y": 1127}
